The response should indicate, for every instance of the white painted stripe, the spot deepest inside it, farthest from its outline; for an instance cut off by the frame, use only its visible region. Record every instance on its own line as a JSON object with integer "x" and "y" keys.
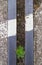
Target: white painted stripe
{"x": 29, "y": 22}
{"x": 29, "y": 15}
{"x": 12, "y": 27}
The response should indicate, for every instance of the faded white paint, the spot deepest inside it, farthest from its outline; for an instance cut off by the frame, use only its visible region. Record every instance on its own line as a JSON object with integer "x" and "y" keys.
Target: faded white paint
{"x": 29, "y": 22}
{"x": 29, "y": 15}
{"x": 12, "y": 27}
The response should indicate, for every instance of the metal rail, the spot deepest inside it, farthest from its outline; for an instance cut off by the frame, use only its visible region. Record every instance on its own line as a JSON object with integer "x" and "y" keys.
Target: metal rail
{"x": 29, "y": 32}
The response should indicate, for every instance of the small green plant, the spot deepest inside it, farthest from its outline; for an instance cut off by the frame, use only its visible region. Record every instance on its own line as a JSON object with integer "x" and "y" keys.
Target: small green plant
{"x": 20, "y": 52}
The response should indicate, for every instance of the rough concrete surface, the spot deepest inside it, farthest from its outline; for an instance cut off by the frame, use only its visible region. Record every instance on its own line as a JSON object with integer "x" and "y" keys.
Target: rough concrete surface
{"x": 38, "y": 36}
{"x": 3, "y": 32}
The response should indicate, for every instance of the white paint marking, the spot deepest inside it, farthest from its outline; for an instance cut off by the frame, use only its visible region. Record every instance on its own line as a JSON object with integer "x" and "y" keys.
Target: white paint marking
{"x": 29, "y": 22}
{"x": 12, "y": 27}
